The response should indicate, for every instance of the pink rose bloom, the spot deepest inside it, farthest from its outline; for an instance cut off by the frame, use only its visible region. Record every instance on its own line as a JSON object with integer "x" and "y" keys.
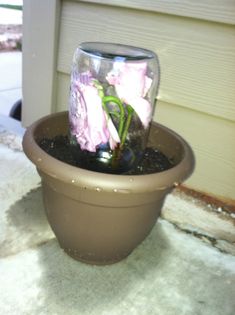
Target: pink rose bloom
{"x": 88, "y": 120}
{"x": 131, "y": 85}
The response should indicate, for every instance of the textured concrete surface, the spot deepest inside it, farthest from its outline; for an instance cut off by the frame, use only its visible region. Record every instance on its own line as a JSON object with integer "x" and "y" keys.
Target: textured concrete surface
{"x": 208, "y": 222}
{"x": 170, "y": 273}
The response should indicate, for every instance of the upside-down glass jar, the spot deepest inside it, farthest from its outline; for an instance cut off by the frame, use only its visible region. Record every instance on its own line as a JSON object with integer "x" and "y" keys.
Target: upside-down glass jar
{"x": 112, "y": 98}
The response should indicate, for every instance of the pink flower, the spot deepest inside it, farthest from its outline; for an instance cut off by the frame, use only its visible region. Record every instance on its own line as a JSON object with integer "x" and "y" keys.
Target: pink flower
{"x": 131, "y": 85}
{"x": 89, "y": 123}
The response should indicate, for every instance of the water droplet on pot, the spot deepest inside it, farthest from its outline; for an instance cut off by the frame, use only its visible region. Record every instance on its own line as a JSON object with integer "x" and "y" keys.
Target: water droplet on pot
{"x": 131, "y": 179}
{"x": 52, "y": 175}
{"x": 98, "y": 189}
{"x": 162, "y": 188}
{"x": 73, "y": 181}
{"x": 39, "y": 160}
{"x": 124, "y": 191}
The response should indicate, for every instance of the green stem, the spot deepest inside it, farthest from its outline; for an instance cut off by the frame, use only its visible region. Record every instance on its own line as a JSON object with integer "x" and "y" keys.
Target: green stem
{"x": 115, "y": 114}
{"x": 118, "y": 151}
{"x": 124, "y": 124}
{"x": 113, "y": 99}
{"x": 102, "y": 96}
{"x": 130, "y": 111}
{"x": 99, "y": 88}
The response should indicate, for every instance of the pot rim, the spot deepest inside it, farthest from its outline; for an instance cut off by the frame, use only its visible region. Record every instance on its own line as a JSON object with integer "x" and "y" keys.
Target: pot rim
{"x": 109, "y": 182}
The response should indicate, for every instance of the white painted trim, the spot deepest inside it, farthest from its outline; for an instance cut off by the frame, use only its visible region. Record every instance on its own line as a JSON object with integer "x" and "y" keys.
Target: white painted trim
{"x": 40, "y": 37}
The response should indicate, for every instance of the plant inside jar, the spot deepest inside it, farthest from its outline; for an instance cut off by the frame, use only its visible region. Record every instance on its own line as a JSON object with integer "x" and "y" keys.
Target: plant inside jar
{"x": 109, "y": 121}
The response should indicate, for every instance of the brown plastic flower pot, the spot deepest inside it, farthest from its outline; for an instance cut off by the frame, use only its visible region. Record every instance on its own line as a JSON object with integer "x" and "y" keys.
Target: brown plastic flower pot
{"x": 100, "y": 218}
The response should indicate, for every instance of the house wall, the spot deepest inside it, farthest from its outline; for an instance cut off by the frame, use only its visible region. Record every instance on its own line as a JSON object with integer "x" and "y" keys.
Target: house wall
{"x": 195, "y": 42}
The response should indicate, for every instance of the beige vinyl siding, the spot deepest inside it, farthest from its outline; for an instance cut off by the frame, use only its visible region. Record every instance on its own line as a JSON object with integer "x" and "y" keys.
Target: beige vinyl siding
{"x": 195, "y": 42}
{"x": 196, "y": 57}
{"x": 210, "y": 10}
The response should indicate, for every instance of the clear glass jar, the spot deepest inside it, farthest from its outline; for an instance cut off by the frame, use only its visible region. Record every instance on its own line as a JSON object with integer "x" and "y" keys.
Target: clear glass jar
{"x": 112, "y": 98}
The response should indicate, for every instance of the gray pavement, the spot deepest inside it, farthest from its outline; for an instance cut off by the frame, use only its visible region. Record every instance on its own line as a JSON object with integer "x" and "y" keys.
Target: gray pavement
{"x": 10, "y": 62}
{"x": 10, "y": 80}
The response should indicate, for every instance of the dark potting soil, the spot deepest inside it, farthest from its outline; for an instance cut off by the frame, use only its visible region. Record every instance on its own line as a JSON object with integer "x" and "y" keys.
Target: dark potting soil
{"x": 153, "y": 161}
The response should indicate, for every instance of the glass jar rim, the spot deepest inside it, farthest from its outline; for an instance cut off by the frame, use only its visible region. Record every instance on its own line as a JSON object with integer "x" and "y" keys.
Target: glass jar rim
{"x": 112, "y": 51}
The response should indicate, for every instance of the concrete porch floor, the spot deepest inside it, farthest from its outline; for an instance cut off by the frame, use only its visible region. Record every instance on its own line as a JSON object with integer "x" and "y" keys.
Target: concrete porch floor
{"x": 171, "y": 273}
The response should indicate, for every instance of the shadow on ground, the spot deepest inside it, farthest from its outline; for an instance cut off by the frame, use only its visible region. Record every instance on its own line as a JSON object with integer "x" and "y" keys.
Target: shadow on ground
{"x": 73, "y": 287}
{"x": 169, "y": 273}
{"x": 26, "y": 225}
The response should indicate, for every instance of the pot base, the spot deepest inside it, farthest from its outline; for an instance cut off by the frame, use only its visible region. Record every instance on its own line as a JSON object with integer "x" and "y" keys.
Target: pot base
{"x": 75, "y": 255}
